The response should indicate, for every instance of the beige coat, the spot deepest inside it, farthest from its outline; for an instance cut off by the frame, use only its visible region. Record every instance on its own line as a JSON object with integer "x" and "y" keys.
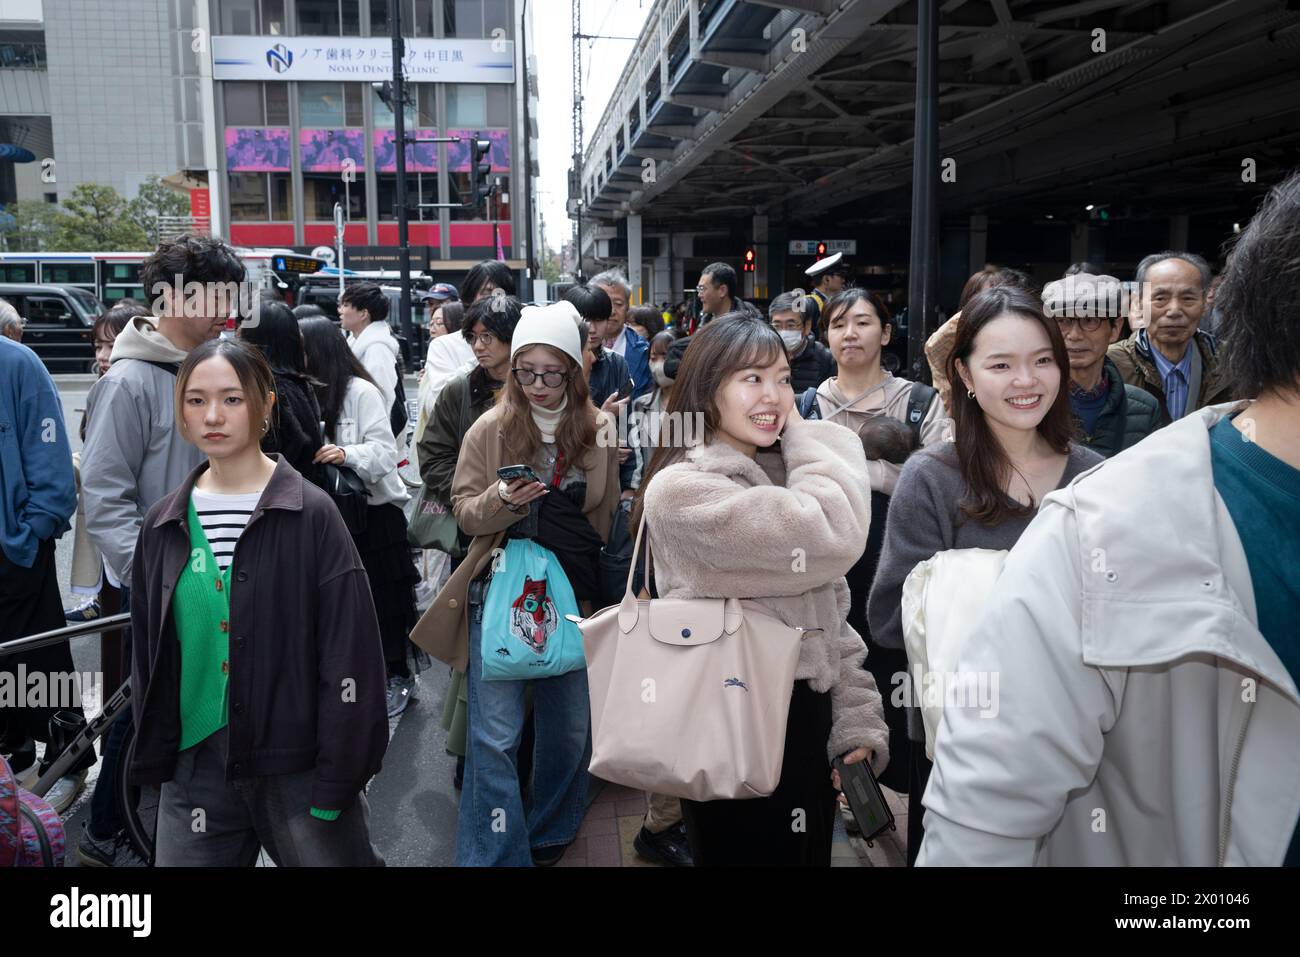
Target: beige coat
{"x": 443, "y": 630}
{"x": 722, "y": 526}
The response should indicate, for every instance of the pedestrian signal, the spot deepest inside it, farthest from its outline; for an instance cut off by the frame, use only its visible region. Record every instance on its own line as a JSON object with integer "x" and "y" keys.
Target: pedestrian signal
{"x": 749, "y": 260}
{"x": 821, "y": 250}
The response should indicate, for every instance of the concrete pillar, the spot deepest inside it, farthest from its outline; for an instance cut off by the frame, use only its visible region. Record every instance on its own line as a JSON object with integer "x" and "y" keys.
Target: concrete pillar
{"x": 979, "y": 242}
{"x": 1178, "y": 230}
{"x": 634, "y": 259}
{"x": 1079, "y": 242}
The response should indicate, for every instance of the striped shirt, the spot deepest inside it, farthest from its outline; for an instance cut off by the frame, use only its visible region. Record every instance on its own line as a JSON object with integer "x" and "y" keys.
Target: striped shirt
{"x": 224, "y": 518}
{"x": 1174, "y": 376}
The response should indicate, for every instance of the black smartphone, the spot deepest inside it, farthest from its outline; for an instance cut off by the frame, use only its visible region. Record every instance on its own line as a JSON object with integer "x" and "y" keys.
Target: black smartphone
{"x": 626, "y": 389}
{"x": 508, "y": 473}
{"x": 870, "y": 809}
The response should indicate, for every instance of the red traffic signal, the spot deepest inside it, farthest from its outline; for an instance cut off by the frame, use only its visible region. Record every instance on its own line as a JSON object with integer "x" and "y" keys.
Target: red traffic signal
{"x": 749, "y": 260}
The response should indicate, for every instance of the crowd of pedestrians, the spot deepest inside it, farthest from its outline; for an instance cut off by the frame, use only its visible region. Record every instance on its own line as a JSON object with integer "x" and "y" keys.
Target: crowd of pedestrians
{"x": 1092, "y": 513}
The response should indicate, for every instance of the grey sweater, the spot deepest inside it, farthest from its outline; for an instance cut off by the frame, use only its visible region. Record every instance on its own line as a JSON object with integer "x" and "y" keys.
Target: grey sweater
{"x": 924, "y": 519}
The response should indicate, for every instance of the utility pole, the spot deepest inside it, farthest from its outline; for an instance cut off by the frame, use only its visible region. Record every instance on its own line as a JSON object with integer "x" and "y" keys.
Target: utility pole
{"x": 923, "y": 261}
{"x": 577, "y": 135}
{"x": 399, "y": 133}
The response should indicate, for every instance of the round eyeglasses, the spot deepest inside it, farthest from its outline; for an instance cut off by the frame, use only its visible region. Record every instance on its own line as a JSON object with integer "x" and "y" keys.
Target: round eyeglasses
{"x": 551, "y": 380}
{"x": 1086, "y": 323}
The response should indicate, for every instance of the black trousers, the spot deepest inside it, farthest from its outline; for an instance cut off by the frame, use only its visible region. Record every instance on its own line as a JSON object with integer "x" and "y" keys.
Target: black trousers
{"x": 30, "y": 604}
{"x": 919, "y": 771}
{"x": 795, "y": 825}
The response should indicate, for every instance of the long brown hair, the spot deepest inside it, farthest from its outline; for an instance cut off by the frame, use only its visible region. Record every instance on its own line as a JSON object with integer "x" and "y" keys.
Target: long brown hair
{"x": 983, "y": 461}
{"x": 726, "y": 345}
{"x": 576, "y": 435}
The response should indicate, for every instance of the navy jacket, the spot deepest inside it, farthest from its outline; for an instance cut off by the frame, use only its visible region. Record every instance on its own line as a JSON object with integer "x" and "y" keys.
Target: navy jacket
{"x": 608, "y": 372}
{"x": 637, "y": 356}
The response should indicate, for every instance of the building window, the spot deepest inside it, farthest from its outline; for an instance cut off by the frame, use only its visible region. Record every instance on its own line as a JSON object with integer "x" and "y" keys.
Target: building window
{"x": 261, "y": 197}
{"x": 244, "y": 104}
{"x": 420, "y": 188}
{"x": 330, "y": 105}
{"x": 329, "y": 18}
{"x": 495, "y": 208}
{"x": 469, "y": 19}
{"x": 256, "y": 104}
{"x": 417, "y": 18}
{"x": 248, "y": 200}
{"x": 320, "y": 191}
{"x": 384, "y": 116}
{"x": 251, "y": 17}
{"x": 475, "y": 106}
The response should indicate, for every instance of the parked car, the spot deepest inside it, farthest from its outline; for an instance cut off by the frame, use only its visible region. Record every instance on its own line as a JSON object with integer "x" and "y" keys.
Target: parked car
{"x": 58, "y": 323}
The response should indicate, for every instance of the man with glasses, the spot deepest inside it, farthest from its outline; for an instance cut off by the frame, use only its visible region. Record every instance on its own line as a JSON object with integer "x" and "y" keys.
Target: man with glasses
{"x": 717, "y": 294}
{"x": 1110, "y": 415}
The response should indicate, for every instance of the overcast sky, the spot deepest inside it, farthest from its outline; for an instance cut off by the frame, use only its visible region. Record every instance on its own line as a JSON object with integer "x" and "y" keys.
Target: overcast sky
{"x": 551, "y": 39}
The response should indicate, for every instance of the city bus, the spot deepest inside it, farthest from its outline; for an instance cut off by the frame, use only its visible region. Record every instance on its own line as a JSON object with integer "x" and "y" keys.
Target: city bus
{"x": 113, "y": 276}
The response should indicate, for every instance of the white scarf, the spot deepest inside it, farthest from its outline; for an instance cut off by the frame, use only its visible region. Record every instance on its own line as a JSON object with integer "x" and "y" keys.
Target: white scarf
{"x": 548, "y": 420}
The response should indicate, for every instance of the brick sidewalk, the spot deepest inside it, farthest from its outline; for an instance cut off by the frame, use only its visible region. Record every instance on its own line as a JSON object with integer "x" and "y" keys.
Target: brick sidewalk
{"x": 614, "y": 817}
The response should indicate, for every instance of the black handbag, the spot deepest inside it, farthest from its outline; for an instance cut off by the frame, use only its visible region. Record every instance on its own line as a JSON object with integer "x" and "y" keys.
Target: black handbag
{"x": 616, "y": 557}
{"x": 350, "y": 494}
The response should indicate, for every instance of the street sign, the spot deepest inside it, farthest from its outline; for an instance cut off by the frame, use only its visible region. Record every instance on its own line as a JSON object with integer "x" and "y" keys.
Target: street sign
{"x": 808, "y": 247}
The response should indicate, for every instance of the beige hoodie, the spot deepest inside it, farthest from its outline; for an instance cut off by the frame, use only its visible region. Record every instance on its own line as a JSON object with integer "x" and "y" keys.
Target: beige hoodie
{"x": 890, "y": 401}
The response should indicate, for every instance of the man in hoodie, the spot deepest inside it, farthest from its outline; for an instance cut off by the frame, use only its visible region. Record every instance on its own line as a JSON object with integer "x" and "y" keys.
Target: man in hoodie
{"x": 619, "y": 338}
{"x": 363, "y": 313}
{"x": 133, "y": 454}
{"x": 1171, "y": 358}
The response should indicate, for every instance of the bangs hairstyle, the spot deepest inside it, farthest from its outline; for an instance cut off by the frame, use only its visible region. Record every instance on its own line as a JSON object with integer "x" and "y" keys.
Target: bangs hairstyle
{"x": 576, "y": 434}
{"x": 111, "y": 323}
{"x": 453, "y": 315}
{"x": 983, "y": 462}
{"x": 251, "y": 369}
{"x": 1259, "y": 298}
{"x": 842, "y": 302}
{"x": 730, "y": 343}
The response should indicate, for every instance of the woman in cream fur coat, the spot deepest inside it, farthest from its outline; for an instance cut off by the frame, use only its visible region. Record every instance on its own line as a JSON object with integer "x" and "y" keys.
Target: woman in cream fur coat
{"x": 727, "y": 518}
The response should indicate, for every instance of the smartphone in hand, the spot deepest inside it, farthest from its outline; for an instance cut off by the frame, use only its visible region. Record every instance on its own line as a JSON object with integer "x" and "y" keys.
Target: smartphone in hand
{"x": 626, "y": 389}
{"x": 866, "y": 801}
{"x": 508, "y": 473}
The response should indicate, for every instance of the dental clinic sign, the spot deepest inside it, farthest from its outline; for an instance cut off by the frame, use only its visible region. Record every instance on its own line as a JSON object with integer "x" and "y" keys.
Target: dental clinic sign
{"x": 361, "y": 58}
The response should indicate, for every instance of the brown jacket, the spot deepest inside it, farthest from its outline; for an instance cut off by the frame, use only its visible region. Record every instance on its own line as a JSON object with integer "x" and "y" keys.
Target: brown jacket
{"x": 1137, "y": 366}
{"x": 443, "y": 630}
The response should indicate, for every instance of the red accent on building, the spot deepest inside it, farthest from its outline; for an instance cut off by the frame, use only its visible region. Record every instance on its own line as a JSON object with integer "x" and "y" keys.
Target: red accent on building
{"x": 322, "y": 234}
{"x": 477, "y": 234}
{"x": 421, "y": 234}
{"x": 262, "y": 234}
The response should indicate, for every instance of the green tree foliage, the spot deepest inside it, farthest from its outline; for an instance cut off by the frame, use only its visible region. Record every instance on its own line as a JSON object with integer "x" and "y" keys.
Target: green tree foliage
{"x": 153, "y": 201}
{"x": 30, "y": 225}
{"x": 97, "y": 218}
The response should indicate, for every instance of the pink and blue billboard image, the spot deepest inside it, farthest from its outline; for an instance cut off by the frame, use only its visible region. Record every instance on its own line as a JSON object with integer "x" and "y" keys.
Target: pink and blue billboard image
{"x": 257, "y": 149}
{"x": 458, "y": 152}
{"x": 325, "y": 151}
{"x": 420, "y": 157}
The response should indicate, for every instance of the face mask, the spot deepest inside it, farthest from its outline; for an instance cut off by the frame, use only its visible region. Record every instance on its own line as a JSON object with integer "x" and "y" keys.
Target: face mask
{"x": 792, "y": 338}
{"x": 657, "y": 369}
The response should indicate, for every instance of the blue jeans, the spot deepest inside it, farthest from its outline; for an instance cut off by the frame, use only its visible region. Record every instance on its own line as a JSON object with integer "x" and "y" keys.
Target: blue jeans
{"x": 495, "y": 828}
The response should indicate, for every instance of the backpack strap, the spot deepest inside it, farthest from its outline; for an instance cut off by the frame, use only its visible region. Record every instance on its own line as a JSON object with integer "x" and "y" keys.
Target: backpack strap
{"x": 918, "y": 407}
{"x": 171, "y": 368}
{"x": 808, "y": 404}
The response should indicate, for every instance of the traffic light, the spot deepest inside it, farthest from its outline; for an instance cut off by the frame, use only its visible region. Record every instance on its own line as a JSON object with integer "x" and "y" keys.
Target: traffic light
{"x": 480, "y": 169}
{"x": 821, "y": 251}
{"x": 749, "y": 260}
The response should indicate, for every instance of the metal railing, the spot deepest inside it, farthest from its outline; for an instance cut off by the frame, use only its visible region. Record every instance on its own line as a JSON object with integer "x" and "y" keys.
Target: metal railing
{"x": 22, "y": 56}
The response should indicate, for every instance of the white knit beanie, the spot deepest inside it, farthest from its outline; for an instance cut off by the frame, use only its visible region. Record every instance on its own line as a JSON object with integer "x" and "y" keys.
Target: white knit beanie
{"x": 555, "y": 325}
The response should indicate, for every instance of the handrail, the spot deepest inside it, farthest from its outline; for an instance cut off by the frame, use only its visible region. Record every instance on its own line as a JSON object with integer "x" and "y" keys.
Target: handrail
{"x": 98, "y": 626}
